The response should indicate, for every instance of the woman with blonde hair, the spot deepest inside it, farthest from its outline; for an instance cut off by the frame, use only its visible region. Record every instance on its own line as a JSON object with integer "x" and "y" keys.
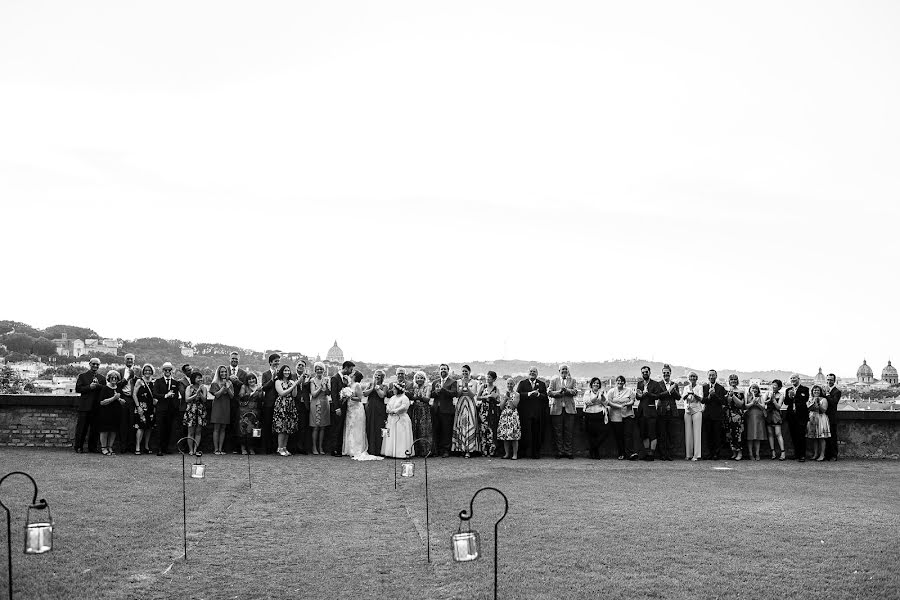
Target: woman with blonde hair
{"x": 195, "y": 411}
{"x": 756, "y": 420}
{"x": 509, "y": 428}
{"x": 420, "y": 413}
{"x": 284, "y": 414}
{"x": 222, "y": 391}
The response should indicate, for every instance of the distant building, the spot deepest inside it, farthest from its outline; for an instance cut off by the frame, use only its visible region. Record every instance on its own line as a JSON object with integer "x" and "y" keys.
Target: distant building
{"x": 101, "y": 346}
{"x": 187, "y": 351}
{"x": 819, "y": 379}
{"x": 889, "y": 374}
{"x": 335, "y": 354}
{"x": 864, "y": 374}
{"x": 28, "y": 369}
{"x": 67, "y": 347}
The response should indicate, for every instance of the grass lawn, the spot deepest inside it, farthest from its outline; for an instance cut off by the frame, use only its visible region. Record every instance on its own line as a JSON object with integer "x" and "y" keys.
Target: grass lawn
{"x": 321, "y": 527}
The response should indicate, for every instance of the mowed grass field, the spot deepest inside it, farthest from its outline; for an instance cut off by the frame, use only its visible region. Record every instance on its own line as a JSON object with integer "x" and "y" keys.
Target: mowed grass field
{"x": 322, "y": 527}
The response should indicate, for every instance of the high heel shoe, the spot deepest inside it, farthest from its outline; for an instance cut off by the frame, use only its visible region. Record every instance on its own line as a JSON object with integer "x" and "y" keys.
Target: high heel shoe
{"x": 783, "y": 455}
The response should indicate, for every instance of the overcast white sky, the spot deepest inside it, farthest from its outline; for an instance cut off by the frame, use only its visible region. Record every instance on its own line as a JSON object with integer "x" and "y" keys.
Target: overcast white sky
{"x": 707, "y": 183}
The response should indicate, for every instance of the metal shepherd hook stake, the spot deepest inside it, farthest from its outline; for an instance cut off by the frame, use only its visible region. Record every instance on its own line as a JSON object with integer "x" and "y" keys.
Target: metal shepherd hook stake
{"x": 183, "y": 490}
{"x": 466, "y": 516}
{"x": 409, "y": 472}
{"x": 41, "y": 541}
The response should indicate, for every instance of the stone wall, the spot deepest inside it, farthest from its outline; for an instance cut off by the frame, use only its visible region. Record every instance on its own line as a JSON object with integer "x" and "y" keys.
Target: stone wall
{"x": 49, "y": 421}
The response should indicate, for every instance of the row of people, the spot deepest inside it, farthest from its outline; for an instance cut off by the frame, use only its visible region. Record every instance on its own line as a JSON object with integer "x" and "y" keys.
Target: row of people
{"x": 464, "y": 415}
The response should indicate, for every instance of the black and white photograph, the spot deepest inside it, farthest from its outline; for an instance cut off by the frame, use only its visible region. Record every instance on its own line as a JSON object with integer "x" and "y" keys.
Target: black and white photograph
{"x": 450, "y": 300}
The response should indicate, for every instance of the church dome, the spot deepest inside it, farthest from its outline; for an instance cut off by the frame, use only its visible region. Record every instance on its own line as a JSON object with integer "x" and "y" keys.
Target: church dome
{"x": 335, "y": 355}
{"x": 864, "y": 373}
{"x": 889, "y": 373}
{"x": 819, "y": 379}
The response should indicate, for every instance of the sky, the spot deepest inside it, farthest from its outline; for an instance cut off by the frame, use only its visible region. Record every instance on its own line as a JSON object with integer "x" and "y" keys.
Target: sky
{"x": 712, "y": 184}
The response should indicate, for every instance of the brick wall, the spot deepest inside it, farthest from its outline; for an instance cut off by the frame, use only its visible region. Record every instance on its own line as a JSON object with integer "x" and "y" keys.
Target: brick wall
{"x": 45, "y": 421}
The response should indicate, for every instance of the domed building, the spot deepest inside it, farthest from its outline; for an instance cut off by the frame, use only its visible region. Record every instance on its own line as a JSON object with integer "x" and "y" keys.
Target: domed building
{"x": 819, "y": 379}
{"x": 335, "y": 355}
{"x": 889, "y": 374}
{"x": 864, "y": 374}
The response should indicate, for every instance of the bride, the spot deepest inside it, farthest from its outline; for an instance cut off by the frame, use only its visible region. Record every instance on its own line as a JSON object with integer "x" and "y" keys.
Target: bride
{"x": 355, "y": 443}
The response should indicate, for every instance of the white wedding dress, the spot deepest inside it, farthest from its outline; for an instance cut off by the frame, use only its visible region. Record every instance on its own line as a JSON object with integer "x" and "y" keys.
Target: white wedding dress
{"x": 355, "y": 442}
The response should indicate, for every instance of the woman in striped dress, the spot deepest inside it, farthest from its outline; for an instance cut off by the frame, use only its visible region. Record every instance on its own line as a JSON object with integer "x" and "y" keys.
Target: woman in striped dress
{"x": 466, "y": 428}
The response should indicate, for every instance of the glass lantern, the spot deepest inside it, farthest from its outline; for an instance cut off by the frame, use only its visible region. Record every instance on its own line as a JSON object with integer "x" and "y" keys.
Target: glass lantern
{"x": 466, "y": 546}
{"x": 39, "y": 532}
{"x": 385, "y": 432}
{"x": 407, "y": 469}
{"x": 198, "y": 470}
{"x": 257, "y": 432}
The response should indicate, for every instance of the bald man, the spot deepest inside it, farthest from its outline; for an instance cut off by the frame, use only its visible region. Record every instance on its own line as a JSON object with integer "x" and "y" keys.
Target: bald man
{"x": 561, "y": 393}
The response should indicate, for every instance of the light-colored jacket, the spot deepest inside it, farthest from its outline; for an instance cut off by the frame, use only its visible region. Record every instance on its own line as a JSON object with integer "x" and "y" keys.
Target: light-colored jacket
{"x": 562, "y": 396}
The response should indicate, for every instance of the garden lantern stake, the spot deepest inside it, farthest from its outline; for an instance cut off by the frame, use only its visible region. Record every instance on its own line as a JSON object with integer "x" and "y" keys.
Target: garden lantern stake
{"x": 198, "y": 471}
{"x": 466, "y": 545}
{"x": 408, "y": 469}
{"x": 38, "y": 533}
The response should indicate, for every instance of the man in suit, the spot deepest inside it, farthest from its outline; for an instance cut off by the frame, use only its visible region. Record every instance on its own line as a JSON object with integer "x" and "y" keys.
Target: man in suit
{"x": 561, "y": 393}
{"x": 444, "y": 392}
{"x": 834, "y": 397}
{"x": 533, "y": 402}
{"x": 128, "y": 375}
{"x": 298, "y": 443}
{"x": 648, "y": 393}
{"x": 795, "y": 397}
{"x": 667, "y": 414}
{"x": 238, "y": 377}
{"x": 339, "y": 407}
{"x": 268, "y": 404}
{"x": 166, "y": 399}
{"x": 713, "y": 427}
{"x": 88, "y": 385}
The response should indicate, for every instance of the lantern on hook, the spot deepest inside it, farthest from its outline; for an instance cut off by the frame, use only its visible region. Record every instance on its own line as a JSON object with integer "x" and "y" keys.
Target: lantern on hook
{"x": 257, "y": 432}
{"x": 385, "y": 432}
{"x": 407, "y": 468}
{"x": 198, "y": 469}
{"x": 466, "y": 546}
{"x": 38, "y": 529}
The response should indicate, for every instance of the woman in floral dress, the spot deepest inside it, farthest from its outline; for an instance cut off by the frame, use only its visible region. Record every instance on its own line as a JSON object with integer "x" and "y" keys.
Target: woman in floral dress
{"x": 489, "y": 413}
{"x": 734, "y": 417}
{"x": 509, "y": 428}
{"x": 466, "y": 429}
{"x": 284, "y": 415}
{"x": 195, "y": 411}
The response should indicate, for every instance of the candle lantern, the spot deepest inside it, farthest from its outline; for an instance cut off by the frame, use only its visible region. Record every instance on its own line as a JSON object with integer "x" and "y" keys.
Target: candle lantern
{"x": 39, "y": 529}
{"x": 257, "y": 432}
{"x": 198, "y": 469}
{"x": 407, "y": 469}
{"x": 466, "y": 546}
{"x": 385, "y": 432}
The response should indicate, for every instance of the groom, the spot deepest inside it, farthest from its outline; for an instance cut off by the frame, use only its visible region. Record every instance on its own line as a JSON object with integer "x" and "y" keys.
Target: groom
{"x": 339, "y": 407}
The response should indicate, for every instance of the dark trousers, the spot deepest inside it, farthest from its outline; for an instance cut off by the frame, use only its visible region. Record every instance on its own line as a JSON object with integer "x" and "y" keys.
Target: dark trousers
{"x": 713, "y": 433}
{"x": 85, "y": 428}
{"x": 831, "y": 444}
{"x": 666, "y": 427}
{"x": 164, "y": 421}
{"x": 335, "y": 439}
{"x": 268, "y": 438}
{"x": 126, "y": 427}
{"x": 563, "y": 433}
{"x": 530, "y": 443}
{"x": 443, "y": 431}
{"x": 797, "y": 427}
{"x": 623, "y": 431}
{"x": 596, "y": 433}
{"x": 234, "y": 427}
{"x": 300, "y": 441}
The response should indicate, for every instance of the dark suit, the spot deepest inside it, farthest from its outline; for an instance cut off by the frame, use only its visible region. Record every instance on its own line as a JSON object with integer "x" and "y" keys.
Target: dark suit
{"x": 713, "y": 419}
{"x": 336, "y": 429}
{"x": 831, "y": 445}
{"x": 166, "y": 409}
{"x": 797, "y": 418}
{"x": 126, "y": 422}
{"x": 237, "y": 381}
{"x": 444, "y": 412}
{"x": 667, "y": 420}
{"x": 533, "y": 411}
{"x": 88, "y": 404}
{"x": 646, "y": 410}
{"x": 266, "y": 410}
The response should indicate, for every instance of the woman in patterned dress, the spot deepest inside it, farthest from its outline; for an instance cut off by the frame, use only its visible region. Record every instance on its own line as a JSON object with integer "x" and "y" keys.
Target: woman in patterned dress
{"x": 420, "y": 413}
{"x": 195, "y": 411}
{"x": 734, "y": 417}
{"x": 818, "y": 428}
{"x": 319, "y": 406}
{"x": 466, "y": 429}
{"x": 284, "y": 414}
{"x": 509, "y": 428}
{"x": 249, "y": 403}
{"x": 489, "y": 413}
{"x": 143, "y": 408}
